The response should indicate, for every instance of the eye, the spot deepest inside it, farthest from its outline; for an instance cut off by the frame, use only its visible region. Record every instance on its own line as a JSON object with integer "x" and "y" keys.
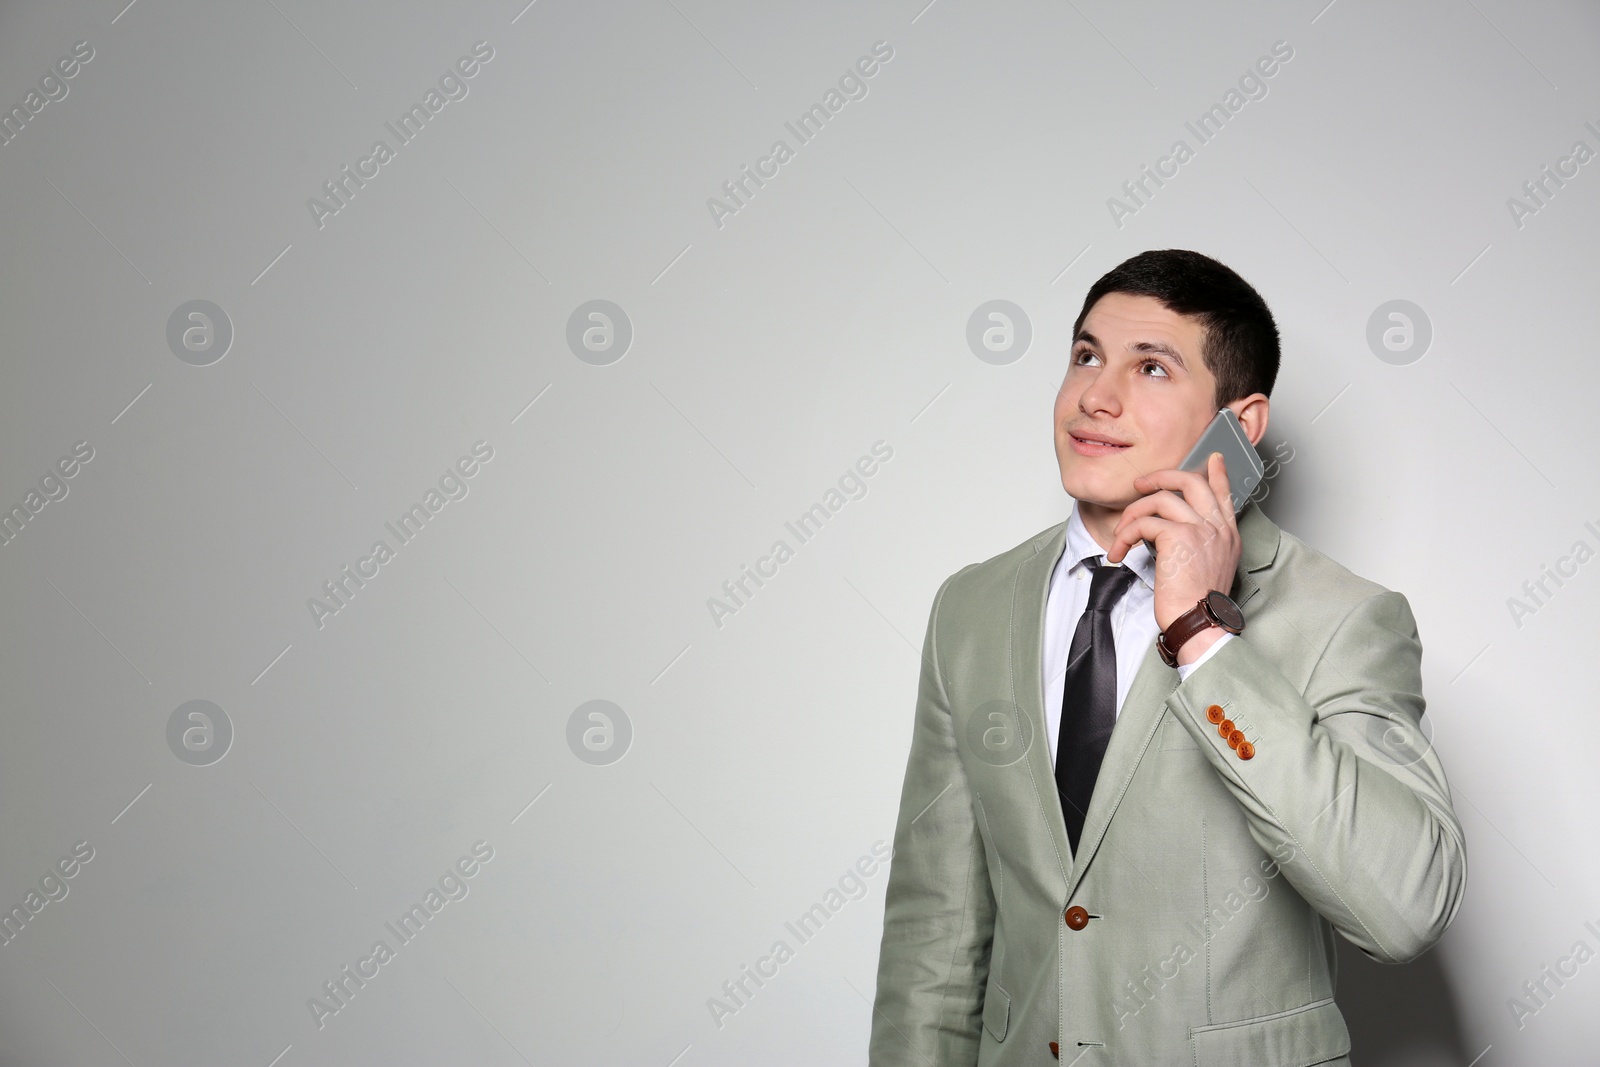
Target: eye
{"x": 1157, "y": 364}
{"x": 1079, "y": 354}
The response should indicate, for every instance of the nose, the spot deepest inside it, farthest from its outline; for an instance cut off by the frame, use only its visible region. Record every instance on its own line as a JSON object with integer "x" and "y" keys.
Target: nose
{"x": 1100, "y": 396}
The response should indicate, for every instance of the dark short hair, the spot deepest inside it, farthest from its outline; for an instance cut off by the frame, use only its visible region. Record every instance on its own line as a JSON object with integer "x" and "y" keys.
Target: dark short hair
{"x": 1241, "y": 340}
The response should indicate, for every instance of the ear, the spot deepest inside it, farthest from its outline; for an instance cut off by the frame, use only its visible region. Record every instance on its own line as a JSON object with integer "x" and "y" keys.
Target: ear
{"x": 1253, "y": 412}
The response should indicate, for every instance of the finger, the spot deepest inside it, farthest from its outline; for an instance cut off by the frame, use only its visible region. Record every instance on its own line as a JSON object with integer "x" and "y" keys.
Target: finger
{"x": 1144, "y": 528}
{"x": 1220, "y": 487}
{"x": 1167, "y": 504}
{"x": 1186, "y": 482}
{"x": 1198, "y": 487}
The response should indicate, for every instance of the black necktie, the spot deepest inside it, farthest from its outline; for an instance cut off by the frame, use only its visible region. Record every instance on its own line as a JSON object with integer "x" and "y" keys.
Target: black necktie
{"x": 1089, "y": 699}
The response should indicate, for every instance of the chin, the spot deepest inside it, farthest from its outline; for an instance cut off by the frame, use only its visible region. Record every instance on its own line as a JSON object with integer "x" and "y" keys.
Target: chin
{"x": 1094, "y": 481}
{"x": 1091, "y": 493}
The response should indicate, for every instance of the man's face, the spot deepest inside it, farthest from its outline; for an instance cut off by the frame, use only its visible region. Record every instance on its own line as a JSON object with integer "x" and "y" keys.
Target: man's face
{"x": 1135, "y": 376}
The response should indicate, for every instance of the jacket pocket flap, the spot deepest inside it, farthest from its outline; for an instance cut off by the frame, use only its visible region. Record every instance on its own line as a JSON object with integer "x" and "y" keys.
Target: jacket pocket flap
{"x": 1298, "y": 1037}
{"x": 996, "y": 1010}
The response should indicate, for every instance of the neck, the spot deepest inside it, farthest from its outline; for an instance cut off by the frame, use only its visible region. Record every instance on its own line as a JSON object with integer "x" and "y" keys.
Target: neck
{"x": 1100, "y": 521}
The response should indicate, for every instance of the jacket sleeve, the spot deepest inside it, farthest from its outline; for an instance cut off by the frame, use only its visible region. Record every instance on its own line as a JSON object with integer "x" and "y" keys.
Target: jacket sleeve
{"x": 1341, "y": 785}
{"x": 938, "y": 920}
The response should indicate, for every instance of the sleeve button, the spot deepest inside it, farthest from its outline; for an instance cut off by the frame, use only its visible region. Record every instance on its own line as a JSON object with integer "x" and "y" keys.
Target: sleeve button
{"x": 1215, "y": 714}
{"x": 1246, "y": 750}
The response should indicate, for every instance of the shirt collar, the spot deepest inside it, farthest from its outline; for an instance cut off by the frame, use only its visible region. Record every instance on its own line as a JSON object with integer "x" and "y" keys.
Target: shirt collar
{"x": 1080, "y": 544}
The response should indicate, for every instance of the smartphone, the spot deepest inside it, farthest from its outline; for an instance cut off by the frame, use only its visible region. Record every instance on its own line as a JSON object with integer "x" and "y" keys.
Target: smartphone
{"x": 1227, "y": 436}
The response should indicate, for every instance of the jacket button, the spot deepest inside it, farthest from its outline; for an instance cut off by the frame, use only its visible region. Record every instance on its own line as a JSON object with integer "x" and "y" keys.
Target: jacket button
{"x": 1055, "y": 1050}
{"x": 1225, "y": 727}
{"x": 1077, "y": 918}
{"x": 1235, "y": 739}
{"x": 1215, "y": 714}
{"x": 1246, "y": 750}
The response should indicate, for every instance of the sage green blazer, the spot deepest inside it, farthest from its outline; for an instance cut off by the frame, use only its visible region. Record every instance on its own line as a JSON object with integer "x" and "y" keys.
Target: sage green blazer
{"x": 1196, "y": 924}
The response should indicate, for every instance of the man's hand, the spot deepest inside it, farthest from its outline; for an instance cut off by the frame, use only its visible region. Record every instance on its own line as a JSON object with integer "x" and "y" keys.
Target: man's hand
{"x": 1196, "y": 538}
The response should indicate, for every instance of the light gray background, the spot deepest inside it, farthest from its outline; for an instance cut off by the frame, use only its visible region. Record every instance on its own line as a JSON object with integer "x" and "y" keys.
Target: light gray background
{"x": 768, "y": 355}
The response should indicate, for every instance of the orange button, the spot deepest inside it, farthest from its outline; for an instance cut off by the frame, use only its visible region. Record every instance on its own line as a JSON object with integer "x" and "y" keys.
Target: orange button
{"x": 1215, "y": 714}
{"x": 1225, "y": 727}
{"x": 1077, "y": 918}
{"x": 1055, "y": 1050}
{"x": 1235, "y": 738}
{"x": 1246, "y": 750}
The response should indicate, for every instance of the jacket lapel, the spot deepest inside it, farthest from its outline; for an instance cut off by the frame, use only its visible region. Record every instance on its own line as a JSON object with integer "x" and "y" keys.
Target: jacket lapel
{"x": 1146, "y": 700}
{"x": 1028, "y": 596}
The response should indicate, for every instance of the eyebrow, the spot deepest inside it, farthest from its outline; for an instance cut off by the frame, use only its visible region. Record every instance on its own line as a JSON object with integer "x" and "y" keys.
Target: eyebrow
{"x": 1141, "y": 347}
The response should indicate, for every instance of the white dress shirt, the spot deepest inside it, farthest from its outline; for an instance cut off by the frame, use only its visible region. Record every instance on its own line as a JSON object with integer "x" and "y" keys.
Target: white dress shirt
{"x": 1133, "y": 620}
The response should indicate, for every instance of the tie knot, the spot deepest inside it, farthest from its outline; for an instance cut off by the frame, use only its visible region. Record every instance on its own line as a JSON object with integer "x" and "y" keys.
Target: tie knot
{"x": 1108, "y": 584}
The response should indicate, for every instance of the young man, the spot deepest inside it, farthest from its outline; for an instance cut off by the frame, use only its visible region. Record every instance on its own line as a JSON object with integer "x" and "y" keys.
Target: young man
{"x": 1114, "y": 849}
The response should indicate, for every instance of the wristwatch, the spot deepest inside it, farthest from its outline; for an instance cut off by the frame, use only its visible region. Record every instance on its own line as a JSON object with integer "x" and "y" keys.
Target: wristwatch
{"x": 1213, "y": 609}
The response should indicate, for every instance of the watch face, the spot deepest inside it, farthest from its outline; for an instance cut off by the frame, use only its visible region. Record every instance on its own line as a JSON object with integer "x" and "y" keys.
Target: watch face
{"x": 1225, "y": 611}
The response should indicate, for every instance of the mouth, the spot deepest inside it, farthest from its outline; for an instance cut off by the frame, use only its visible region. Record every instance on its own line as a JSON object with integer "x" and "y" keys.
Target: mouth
{"x": 1095, "y": 445}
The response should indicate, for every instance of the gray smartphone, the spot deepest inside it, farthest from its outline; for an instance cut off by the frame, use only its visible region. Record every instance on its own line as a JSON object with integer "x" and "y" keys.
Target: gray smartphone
{"x": 1227, "y": 436}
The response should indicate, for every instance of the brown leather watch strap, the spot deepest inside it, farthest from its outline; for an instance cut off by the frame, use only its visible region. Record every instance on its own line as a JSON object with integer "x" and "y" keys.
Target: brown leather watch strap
{"x": 1183, "y": 628}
